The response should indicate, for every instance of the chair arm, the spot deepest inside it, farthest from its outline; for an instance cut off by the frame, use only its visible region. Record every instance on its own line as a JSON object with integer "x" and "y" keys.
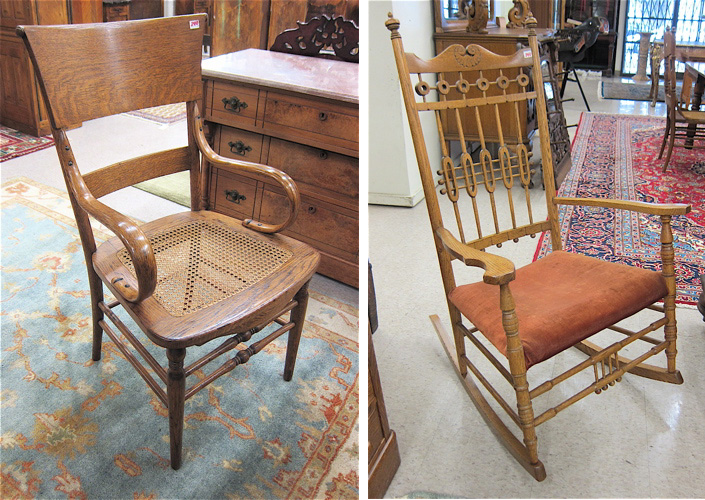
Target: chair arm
{"x": 283, "y": 179}
{"x": 635, "y": 206}
{"x": 134, "y": 239}
{"x": 498, "y": 270}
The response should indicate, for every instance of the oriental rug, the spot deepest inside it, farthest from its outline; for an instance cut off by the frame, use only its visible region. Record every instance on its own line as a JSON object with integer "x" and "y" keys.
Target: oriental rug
{"x": 14, "y": 143}
{"x": 630, "y": 90}
{"x": 80, "y": 429}
{"x": 615, "y": 156}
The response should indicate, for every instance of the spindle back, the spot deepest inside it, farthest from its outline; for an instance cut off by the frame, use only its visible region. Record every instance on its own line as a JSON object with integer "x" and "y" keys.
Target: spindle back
{"x": 473, "y": 86}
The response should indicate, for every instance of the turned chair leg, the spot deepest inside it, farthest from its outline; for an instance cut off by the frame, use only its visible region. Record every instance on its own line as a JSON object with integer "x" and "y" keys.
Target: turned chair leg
{"x": 665, "y": 137}
{"x": 670, "y": 146}
{"x": 517, "y": 364}
{"x": 96, "y": 287}
{"x": 298, "y": 316}
{"x": 176, "y": 389}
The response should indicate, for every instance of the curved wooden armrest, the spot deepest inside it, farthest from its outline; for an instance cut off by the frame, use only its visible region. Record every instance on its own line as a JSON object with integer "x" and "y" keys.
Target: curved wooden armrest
{"x": 498, "y": 270}
{"x": 283, "y": 179}
{"x": 134, "y": 239}
{"x": 635, "y": 206}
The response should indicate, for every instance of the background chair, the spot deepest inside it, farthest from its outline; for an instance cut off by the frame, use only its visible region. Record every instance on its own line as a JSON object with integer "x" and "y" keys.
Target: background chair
{"x": 572, "y": 46}
{"x": 531, "y": 314}
{"x": 685, "y": 119}
{"x": 185, "y": 279}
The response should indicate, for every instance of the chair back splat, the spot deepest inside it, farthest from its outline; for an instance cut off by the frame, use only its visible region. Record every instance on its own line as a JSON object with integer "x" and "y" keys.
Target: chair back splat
{"x": 531, "y": 314}
{"x": 189, "y": 278}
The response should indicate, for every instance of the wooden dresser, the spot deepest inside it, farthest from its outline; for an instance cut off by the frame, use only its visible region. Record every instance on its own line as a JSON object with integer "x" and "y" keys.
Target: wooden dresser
{"x": 21, "y": 106}
{"x": 300, "y": 115}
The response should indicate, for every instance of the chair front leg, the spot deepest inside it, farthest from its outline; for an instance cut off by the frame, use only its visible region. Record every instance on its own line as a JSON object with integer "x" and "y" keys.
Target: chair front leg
{"x": 298, "y": 316}
{"x": 517, "y": 367}
{"x": 176, "y": 390}
{"x": 669, "y": 301}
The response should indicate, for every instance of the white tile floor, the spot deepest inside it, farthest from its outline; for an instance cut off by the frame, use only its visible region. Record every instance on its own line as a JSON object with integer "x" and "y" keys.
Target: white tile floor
{"x": 639, "y": 439}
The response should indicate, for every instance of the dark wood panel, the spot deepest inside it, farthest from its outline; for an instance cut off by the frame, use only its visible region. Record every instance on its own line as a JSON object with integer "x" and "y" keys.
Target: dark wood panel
{"x": 239, "y": 24}
{"x": 316, "y": 167}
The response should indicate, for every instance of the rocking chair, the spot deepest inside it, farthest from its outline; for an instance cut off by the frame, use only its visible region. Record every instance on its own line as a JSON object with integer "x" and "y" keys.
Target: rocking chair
{"x": 185, "y": 279}
{"x": 531, "y": 314}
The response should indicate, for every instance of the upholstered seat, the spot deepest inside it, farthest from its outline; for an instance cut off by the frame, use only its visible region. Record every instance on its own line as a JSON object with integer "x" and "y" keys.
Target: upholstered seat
{"x": 551, "y": 296}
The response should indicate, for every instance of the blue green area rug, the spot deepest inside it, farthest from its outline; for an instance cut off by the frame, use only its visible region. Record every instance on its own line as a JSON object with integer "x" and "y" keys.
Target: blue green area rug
{"x": 74, "y": 428}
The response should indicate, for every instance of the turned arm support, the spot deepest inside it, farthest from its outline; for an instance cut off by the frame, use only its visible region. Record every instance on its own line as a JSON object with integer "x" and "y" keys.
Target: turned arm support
{"x": 286, "y": 182}
{"x": 664, "y": 210}
{"x": 498, "y": 270}
{"x": 634, "y": 206}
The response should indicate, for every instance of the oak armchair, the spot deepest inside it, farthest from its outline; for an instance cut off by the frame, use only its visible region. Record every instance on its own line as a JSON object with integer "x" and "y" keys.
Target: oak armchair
{"x": 185, "y": 279}
{"x": 528, "y": 315}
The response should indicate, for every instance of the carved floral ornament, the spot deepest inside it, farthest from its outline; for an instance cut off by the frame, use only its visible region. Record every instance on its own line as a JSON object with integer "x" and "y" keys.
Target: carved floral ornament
{"x": 467, "y": 57}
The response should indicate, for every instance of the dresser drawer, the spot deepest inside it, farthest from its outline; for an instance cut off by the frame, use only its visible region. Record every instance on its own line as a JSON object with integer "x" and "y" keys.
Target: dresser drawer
{"x": 317, "y": 220}
{"x": 233, "y": 104}
{"x": 240, "y": 144}
{"x": 316, "y": 167}
{"x": 233, "y": 194}
{"x": 327, "y": 120}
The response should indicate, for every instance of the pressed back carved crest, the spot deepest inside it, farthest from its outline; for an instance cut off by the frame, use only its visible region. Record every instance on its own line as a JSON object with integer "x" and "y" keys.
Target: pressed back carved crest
{"x": 477, "y": 98}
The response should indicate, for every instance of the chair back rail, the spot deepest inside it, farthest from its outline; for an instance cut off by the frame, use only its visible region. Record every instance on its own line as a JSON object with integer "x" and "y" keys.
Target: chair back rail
{"x": 119, "y": 63}
{"x": 126, "y": 173}
{"x": 474, "y": 83}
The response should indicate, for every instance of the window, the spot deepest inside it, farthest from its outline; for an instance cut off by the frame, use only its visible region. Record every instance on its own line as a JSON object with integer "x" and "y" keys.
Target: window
{"x": 655, "y": 16}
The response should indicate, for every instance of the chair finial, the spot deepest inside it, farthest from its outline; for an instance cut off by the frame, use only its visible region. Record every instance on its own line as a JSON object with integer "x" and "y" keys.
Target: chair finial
{"x": 392, "y": 25}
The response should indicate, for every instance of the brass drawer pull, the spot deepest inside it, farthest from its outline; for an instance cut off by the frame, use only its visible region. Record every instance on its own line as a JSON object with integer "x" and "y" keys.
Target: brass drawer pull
{"x": 239, "y": 148}
{"x": 322, "y": 116}
{"x": 234, "y": 196}
{"x": 236, "y": 105}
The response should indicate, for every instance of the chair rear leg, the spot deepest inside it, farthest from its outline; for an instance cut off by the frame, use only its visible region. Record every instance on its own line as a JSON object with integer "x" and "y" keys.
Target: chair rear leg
{"x": 671, "y": 139}
{"x": 96, "y": 287}
{"x": 176, "y": 390}
{"x": 298, "y": 316}
{"x": 665, "y": 137}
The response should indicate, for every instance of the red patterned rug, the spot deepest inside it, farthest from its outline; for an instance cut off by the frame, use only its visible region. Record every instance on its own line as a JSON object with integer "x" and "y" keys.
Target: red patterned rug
{"x": 14, "y": 143}
{"x": 616, "y": 156}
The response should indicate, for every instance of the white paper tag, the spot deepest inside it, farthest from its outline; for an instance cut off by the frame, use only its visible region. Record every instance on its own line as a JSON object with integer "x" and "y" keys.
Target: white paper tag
{"x": 527, "y": 53}
{"x": 195, "y": 24}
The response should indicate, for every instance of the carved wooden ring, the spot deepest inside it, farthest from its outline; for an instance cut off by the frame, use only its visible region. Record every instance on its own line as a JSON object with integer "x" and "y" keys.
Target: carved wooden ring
{"x": 502, "y": 82}
{"x": 483, "y": 84}
{"x": 443, "y": 87}
{"x": 463, "y": 85}
{"x": 523, "y": 80}
{"x": 422, "y": 88}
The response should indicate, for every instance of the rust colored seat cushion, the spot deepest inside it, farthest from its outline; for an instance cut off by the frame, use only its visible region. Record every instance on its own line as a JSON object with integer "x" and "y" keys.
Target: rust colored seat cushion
{"x": 560, "y": 300}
